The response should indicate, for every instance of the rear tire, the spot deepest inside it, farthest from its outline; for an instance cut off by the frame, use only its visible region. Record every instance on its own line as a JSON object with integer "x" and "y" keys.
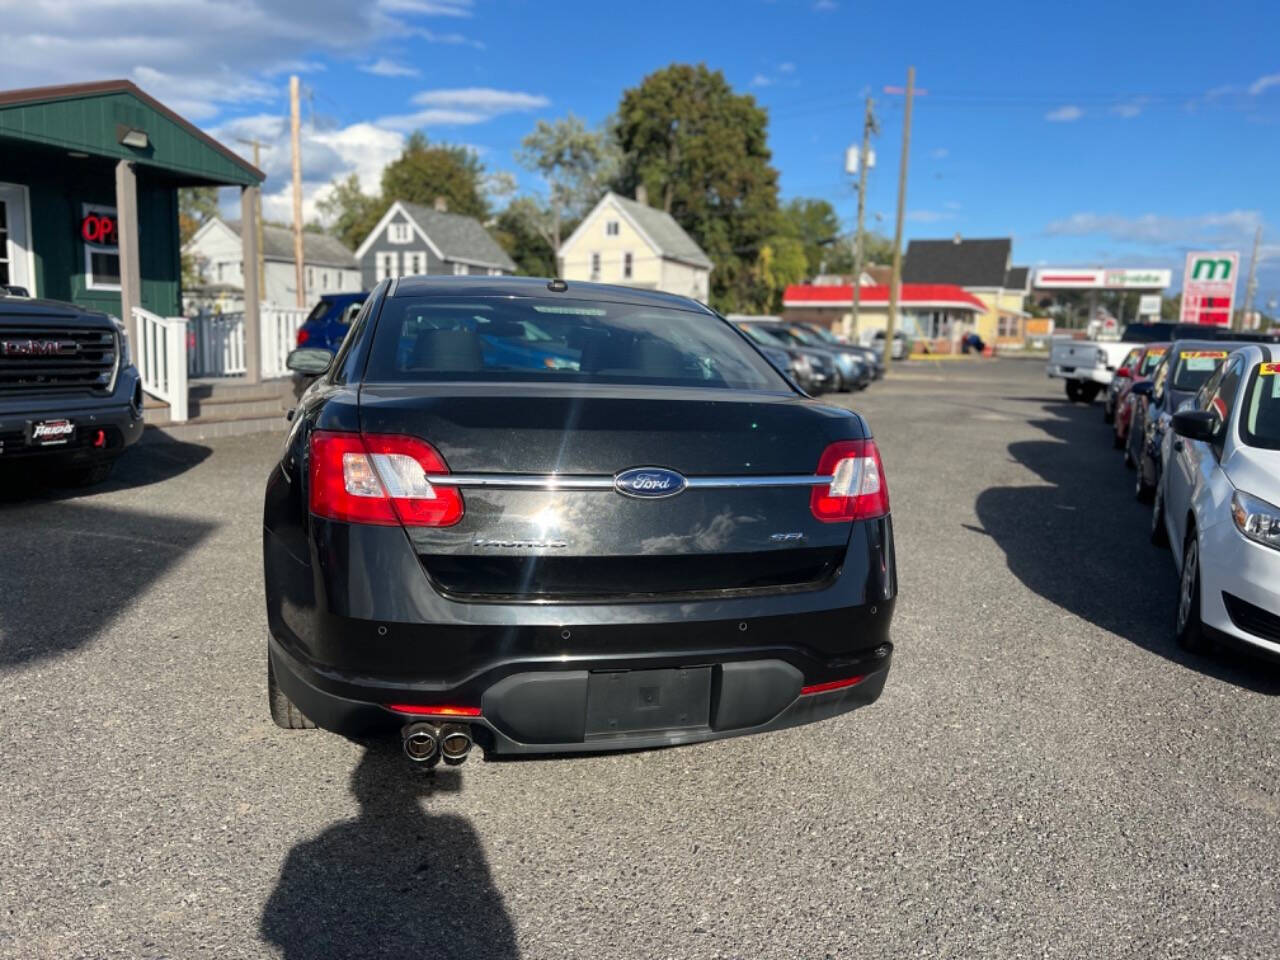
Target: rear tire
{"x": 1159, "y": 535}
{"x": 1075, "y": 391}
{"x": 1189, "y": 629}
{"x": 1142, "y": 491}
{"x": 283, "y": 711}
{"x": 1089, "y": 392}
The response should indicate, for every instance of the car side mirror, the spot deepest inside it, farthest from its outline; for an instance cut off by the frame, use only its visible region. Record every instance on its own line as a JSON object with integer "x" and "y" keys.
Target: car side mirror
{"x": 1142, "y": 388}
{"x": 1197, "y": 425}
{"x": 311, "y": 361}
{"x": 1124, "y": 372}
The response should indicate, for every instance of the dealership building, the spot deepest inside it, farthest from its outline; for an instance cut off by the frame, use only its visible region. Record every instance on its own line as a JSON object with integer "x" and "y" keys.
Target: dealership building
{"x": 89, "y": 197}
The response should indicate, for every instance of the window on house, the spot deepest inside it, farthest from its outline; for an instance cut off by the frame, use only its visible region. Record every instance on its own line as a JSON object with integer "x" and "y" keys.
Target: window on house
{"x": 459, "y": 269}
{"x": 611, "y": 228}
{"x": 102, "y": 258}
{"x": 626, "y": 265}
{"x": 400, "y": 232}
{"x": 595, "y": 266}
{"x": 1009, "y": 327}
{"x": 324, "y": 279}
{"x": 495, "y": 272}
{"x": 311, "y": 277}
{"x": 387, "y": 264}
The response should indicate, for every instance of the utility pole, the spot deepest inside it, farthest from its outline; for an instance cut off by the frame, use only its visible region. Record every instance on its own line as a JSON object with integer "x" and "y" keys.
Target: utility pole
{"x": 257, "y": 162}
{"x": 296, "y": 130}
{"x": 1251, "y": 285}
{"x": 868, "y": 128}
{"x": 896, "y": 281}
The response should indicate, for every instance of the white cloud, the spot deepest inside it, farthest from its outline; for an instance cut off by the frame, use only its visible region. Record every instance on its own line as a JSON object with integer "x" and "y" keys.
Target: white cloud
{"x": 1065, "y": 114}
{"x": 952, "y": 205}
{"x": 200, "y": 56}
{"x": 939, "y": 153}
{"x": 1228, "y": 227}
{"x": 1264, "y": 83}
{"x": 786, "y": 67}
{"x": 760, "y": 80}
{"x": 1130, "y": 108}
{"x": 486, "y": 99}
{"x": 433, "y": 118}
{"x": 929, "y": 216}
{"x": 383, "y": 67}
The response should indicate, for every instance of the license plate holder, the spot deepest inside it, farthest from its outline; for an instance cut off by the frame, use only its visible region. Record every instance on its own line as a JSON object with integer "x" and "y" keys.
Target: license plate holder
{"x": 648, "y": 701}
{"x": 52, "y": 433}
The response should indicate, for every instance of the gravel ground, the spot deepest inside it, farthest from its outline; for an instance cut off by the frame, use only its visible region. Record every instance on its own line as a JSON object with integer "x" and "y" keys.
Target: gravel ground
{"x": 1045, "y": 775}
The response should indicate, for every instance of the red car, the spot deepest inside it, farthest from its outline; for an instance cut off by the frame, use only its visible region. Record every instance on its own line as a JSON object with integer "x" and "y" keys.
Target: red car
{"x": 1141, "y": 362}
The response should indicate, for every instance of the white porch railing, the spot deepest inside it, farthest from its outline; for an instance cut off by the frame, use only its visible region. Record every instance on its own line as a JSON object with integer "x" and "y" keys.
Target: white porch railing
{"x": 162, "y": 351}
{"x": 217, "y": 341}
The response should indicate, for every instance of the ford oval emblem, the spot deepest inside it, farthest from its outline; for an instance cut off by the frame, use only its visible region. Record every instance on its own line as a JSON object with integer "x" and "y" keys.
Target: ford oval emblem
{"x": 649, "y": 483}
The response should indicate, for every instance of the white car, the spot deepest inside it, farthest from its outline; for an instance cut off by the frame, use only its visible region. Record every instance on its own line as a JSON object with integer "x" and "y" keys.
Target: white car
{"x": 1218, "y": 505}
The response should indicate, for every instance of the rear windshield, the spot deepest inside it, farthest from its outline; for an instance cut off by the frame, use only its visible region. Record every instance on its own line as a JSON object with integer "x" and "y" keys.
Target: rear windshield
{"x": 1195, "y": 367}
{"x": 561, "y": 340}
{"x": 1260, "y": 418}
{"x": 1153, "y": 357}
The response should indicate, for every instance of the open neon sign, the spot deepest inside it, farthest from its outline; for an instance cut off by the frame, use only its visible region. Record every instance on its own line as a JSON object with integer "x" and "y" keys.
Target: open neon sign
{"x": 99, "y": 229}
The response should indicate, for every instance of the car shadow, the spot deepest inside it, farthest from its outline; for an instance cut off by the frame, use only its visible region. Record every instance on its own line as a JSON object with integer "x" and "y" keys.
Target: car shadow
{"x": 1081, "y": 542}
{"x": 153, "y": 459}
{"x": 397, "y": 881}
{"x": 69, "y": 569}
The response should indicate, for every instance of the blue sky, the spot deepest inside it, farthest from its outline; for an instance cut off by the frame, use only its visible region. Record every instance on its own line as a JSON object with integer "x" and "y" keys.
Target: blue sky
{"x": 1093, "y": 133}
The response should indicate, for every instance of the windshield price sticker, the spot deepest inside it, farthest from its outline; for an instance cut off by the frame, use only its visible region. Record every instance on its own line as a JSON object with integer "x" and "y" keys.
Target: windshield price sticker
{"x": 1157, "y": 351}
{"x": 1269, "y": 369}
{"x": 1205, "y": 354}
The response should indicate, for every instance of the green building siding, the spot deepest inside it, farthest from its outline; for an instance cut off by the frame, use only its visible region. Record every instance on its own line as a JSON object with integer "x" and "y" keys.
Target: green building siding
{"x": 89, "y": 123}
{"x": 59, "y": 188}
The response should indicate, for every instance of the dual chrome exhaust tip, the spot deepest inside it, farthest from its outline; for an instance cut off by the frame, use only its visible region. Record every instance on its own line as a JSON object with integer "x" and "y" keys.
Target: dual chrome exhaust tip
{"x": 426, "y": 743}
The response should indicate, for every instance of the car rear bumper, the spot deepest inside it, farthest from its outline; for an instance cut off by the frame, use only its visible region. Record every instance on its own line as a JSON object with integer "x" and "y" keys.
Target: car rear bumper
{"x": 1245, "y": 574}
{"x": 1092, "y": 374}
{"x": 548, "y": 709}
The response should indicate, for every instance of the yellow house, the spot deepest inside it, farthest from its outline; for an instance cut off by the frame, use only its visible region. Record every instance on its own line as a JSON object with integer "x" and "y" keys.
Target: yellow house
{"x": 984, "y": 268}
{"x": 630, "y": 243}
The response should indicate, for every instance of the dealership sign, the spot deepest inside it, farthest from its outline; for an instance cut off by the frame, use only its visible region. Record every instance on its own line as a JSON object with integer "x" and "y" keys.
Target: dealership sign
{"x": 1101, "y": 278}
{"x": 1209, "y": 287}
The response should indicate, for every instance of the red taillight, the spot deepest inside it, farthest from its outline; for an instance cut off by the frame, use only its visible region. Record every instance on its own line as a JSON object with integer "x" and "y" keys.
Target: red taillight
{"x": 419, "y": 710}
{"x": 858, "y": 490}
{"x": 831, "y": 685}
{"x": 380, "y": 479}
{"x": 303, "y": 335}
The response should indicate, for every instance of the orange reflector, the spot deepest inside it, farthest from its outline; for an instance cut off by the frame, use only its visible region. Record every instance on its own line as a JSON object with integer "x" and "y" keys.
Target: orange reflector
{"x": 422, "y": 710}
{"x": 831, "y": 685}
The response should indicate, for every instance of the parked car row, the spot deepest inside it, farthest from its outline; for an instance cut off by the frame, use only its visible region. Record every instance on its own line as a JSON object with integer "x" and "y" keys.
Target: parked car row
{"x": 815, "y": 358}
{"x": 1199, "y": 423}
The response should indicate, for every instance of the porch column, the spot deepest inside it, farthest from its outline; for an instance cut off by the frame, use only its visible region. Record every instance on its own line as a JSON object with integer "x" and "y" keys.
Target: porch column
{"x": 127, "y": 238}
{"x": 252, "y": 295}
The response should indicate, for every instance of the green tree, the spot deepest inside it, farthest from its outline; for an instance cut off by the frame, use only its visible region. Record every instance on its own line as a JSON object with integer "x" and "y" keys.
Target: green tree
{"x": 424, "y": 172}
{"x": 577, "y": 164}
{"x": 525, "y": 244}
{"x": 701, "y": 151}
{"x": 350, "y": 212}
{"x": 815, "y": 225}
{"x": 196, "y": 206}
{"x": 781, "y": 262}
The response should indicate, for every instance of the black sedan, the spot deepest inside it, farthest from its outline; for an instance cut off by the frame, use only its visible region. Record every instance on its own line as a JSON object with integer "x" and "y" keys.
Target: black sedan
{"x": 649, "y": 538}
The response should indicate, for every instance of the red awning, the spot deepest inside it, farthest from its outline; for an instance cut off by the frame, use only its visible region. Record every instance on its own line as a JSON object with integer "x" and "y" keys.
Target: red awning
{"x": 937, "y": 296}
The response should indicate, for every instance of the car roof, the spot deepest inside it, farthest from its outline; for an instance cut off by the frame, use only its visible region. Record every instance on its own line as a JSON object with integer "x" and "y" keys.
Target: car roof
{"x": 32, "y": 306}
{"x": 484, "y": 286}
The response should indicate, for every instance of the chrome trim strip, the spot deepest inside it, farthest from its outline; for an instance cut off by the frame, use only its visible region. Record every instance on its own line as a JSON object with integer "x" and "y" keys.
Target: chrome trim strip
{"x": 553, "y": 482}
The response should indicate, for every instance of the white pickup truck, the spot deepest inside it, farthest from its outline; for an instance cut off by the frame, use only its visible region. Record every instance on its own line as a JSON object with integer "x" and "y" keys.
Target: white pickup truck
{"x": 1087, "y": 366}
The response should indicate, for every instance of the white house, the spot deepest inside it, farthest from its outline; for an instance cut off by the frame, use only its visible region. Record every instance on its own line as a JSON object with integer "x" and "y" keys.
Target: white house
{"x": 329, "y": 267}
{"x": 411, "y": 239}
{"x": 630, "y": 243}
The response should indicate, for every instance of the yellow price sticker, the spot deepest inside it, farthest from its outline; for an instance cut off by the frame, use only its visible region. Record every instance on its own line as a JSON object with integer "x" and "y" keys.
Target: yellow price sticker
{"x": 1205, "y": 354}
{"x": 1157, "y": 351}
{"x": 1268, "y": 369}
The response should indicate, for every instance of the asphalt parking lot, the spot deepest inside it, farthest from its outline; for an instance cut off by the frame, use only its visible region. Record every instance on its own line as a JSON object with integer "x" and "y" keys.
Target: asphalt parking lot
{"x": 1046, "y": 775}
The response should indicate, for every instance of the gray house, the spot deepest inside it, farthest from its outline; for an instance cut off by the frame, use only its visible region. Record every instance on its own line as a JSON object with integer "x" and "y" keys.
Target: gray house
{"x": 411, "y": 239}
